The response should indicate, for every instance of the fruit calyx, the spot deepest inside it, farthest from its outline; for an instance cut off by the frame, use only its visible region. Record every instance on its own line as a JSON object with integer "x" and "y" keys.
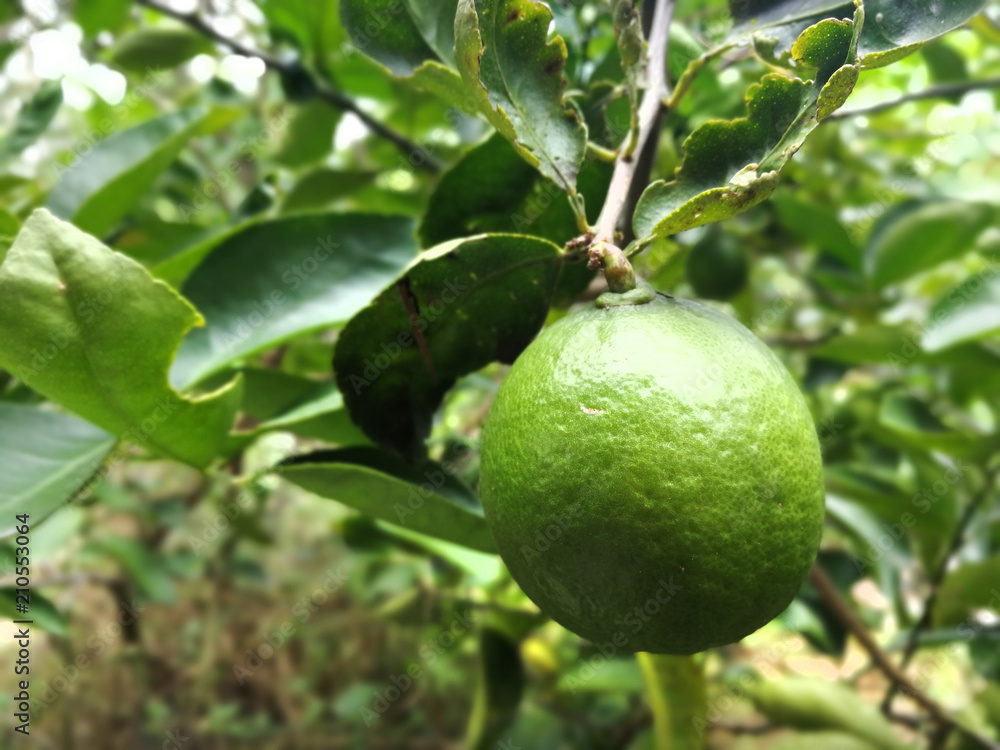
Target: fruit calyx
{"x": 642, "y": 293}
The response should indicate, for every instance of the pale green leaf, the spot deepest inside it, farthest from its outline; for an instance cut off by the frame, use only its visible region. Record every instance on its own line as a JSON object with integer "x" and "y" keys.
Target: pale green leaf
{"x": 423, "y": 498}
{"x": 90, "y": 329}
{"x": 44, "y": 458}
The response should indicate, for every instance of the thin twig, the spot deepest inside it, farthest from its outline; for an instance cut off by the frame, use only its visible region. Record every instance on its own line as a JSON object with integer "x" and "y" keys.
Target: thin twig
{"x": 932, "y": 92}
{"x": 957, "y": 538}
{"x": 652, "y": 104}
{"x": 831, "y": 597}
{"x": 413, "y": 152}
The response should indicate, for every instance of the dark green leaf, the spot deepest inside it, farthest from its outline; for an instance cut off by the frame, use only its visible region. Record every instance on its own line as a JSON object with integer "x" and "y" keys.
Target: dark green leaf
{"x": 32, "y": 119}
{"x": 424, "y": 498}
{"x": 44, "y": 458}
{"x": 284, "y": 278}
{"x": 455, "y": 309}
{"x": 516, "y": 76}
{"x": 100, "y": 187}
{"x": 91, "y": 330}
{"x": 478, "y": 194}
{"x": 158, "y": 47}
{"x": 401, "y": 36}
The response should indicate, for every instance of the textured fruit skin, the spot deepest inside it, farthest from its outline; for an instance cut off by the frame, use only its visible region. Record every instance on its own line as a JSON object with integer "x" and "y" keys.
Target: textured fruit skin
{"x": 652, "y": 477}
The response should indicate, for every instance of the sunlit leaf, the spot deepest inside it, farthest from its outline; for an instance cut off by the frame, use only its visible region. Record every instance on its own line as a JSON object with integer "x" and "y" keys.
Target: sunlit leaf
{"x": 93, "y": 331}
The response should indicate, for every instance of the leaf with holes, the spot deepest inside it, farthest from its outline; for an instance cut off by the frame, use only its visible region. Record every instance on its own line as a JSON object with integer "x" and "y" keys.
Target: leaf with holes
{"x": 453, "y": 310}
{"x": 516, "y": 77}
{"x": 730, "y": 166}
{"x": 892, "y": 29}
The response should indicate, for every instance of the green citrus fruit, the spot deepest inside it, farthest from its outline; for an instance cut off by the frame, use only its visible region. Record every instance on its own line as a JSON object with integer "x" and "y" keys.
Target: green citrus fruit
{"x": 652, "y": 477}
{"x": 717, "y": 266}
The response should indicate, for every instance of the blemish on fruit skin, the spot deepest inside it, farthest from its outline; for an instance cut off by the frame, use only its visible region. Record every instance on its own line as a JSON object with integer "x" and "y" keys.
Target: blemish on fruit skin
{"x": 585, "y": 410}
{"x": 60, "y": 286}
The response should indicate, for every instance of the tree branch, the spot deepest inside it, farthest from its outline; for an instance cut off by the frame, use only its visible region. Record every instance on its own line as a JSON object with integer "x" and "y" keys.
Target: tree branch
{"x": 649, "y": 109}
{"x": 957, "y": 538}
{"x": 831, "y": 597}
{"x": 932, "y": 92}
{"x": 293, "y": 68}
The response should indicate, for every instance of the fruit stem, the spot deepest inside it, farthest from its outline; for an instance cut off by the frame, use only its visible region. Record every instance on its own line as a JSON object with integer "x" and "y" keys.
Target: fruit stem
{"x": 617, "y": 269}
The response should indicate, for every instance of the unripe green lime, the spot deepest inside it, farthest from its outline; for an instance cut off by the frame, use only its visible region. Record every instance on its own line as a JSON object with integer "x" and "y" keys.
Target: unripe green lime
{"x": 652, "y": 477}
{"x": 717, "y": 266}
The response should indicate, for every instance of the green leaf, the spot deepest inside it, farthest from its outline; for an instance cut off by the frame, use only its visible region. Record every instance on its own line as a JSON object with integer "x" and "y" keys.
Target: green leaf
{"x": 322, "y": 187}
{"x": 41, "y": 611}
{"x": 891, "y": 31}
{"x": 817, "y": 224}
{"x": 32, "y": 119}
{"x": 453, "y": 310}
{"x": 969, "y": 312}
{"x": 516, "y": 76}
{"x": 478, "y": 194}
{"x": 975, "y": 585}
{"x": 677, "y": 696}
{"x": 424, "y": 498}
{"x": 730, "y": 166}
{"x": 44, "y": 458}
{"x": 147, "y": 570}
{"x": 314, "y": 26}
{"x": 158, "y": 48}
{"x": 93, "y": 331}
{"x": 95, "y": 16}
{"x": 919, "y": 235}
{"x": 814, "y": 704}
{"x": 401, "y": 35}
{"x": 913, "y": 422}
{"x": 308, "y": 135}
{"x": 499, "y": 686}
{"x": 602, "y": 676}
{"x": 285, "y": 278}
{"x": 101, "y": 186}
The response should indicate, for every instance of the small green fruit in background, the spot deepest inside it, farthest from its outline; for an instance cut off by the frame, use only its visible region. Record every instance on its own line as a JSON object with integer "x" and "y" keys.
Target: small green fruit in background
{"x": 652, "y": 477}
{"x": 717, "y": 267}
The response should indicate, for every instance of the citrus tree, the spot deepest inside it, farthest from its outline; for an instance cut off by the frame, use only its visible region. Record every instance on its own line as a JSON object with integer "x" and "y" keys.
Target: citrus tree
{"x": 261, "y": 255}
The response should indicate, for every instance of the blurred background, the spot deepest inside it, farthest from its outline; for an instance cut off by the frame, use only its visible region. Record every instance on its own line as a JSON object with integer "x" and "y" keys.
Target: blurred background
{"x": 228, "y": 608}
